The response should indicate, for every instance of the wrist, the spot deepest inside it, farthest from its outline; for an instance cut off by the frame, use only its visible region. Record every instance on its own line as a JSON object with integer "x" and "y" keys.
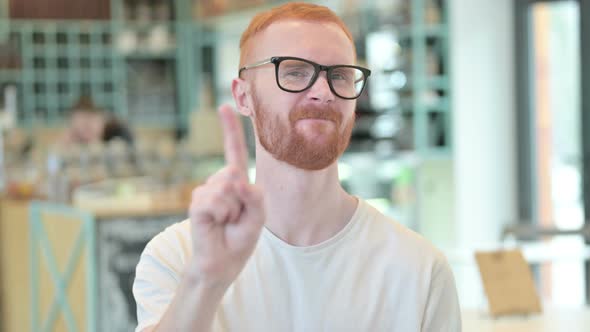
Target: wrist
{"x": 195, "y": 278}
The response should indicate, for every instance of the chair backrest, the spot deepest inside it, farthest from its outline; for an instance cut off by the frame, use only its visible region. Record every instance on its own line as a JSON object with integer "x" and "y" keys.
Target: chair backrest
{"x": 63, "y": 239}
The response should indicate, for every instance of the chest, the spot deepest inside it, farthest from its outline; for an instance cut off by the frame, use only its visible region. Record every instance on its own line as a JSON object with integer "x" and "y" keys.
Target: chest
{"x": 321, "y": 293}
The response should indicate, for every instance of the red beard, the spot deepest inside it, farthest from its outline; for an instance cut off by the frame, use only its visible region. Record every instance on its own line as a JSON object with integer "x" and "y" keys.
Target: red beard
{"x": 287, "y": 144}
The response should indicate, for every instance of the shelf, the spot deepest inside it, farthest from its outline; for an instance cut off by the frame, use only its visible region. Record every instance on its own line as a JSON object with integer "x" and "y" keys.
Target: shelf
{"x": 425, "y": 31}
{"x": 151, "y": 121}
{"x": 441, "y": 107}
{"x": 405, "y": 108}
{"x": 141, "y": 26}
{"x": 437, "y": 83}
{"x": 13, "y": 75}
{"x": 143, "y": 55}
{"x": 43, "y": 26}
{"x": 81, "y": 51}
{"x": 94, "y": 75}
{"x": 236, "y": 15}
{"x": 430, "y": 153}
{"x": 436, "y": 30}
{"x": 60, "y": 60}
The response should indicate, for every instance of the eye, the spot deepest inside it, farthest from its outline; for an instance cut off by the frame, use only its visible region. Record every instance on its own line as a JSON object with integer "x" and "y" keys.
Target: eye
{"x": 296, "y": 73}
{"x": 341, "y": 75}
{"x": 338, "y": 76}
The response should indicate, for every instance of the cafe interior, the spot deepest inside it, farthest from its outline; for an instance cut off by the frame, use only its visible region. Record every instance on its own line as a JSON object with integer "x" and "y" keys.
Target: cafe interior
{"x": 473, "y": 131}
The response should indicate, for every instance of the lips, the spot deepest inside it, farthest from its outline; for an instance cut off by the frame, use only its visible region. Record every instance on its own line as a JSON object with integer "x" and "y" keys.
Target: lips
{"x": 314, "y": 113}
{"x": 317, "y": 119}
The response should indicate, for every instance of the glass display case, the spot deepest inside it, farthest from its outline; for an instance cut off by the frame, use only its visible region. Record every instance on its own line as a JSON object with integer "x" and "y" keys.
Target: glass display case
{"x": 53, "y": 63}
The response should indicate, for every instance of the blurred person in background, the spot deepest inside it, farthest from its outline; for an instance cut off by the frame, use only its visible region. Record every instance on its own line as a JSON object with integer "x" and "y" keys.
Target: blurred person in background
{"x": 294, "y": 251}
{"x": 89, "y": 124}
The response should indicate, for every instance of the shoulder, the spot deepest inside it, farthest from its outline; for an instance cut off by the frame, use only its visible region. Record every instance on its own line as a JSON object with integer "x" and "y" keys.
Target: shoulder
{"x": 159, "y": 271}
{"x": 395, "y": 240}
{"x": 168, "y": 250}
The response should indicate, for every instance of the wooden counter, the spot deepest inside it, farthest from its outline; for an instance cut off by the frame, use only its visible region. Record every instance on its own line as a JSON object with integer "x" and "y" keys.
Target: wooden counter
{"x": 120, "y": 239}
{"x": 15, "y": 292}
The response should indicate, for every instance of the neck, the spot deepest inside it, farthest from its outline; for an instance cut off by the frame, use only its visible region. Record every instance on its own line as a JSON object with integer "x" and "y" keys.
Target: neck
{"x": 303, "y": 208}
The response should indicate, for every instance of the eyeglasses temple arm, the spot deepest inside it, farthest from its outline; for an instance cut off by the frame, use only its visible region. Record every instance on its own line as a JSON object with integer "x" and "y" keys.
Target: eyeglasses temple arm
{"x": 255, "y": 64}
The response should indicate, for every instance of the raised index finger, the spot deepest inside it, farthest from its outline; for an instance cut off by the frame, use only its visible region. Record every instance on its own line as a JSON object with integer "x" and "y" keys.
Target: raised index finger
{"x": 234, "y": 141}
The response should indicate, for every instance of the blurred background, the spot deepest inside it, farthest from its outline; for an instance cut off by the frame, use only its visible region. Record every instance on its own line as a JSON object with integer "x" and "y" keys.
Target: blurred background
{"x": 474, "y": 131}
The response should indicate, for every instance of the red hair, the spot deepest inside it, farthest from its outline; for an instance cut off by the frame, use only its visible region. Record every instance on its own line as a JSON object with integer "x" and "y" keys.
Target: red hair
{"x": 289, "y": 11}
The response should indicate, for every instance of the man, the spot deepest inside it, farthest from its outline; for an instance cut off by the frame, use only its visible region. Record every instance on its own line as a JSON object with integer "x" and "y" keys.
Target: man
{"x": 89, "y": 124}
{"x": 294, "y": 251}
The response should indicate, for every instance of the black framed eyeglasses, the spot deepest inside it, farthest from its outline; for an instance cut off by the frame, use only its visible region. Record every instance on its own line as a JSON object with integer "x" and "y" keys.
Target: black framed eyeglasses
{"x": 296, "y": 75}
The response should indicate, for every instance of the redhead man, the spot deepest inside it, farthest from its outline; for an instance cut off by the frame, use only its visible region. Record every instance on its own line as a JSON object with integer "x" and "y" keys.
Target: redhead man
{"x": 294, "y": 251}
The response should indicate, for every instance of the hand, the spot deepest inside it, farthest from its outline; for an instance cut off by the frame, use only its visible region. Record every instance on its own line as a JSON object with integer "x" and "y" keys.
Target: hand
{"x": 226, "y": 213}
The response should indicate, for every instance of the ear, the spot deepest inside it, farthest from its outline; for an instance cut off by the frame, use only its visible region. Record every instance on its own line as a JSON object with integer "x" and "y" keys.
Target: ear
{"x": 241, "y": 92}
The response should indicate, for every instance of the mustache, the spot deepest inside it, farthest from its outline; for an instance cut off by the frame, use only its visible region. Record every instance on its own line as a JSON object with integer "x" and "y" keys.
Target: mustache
{"x": 314, "y": 112}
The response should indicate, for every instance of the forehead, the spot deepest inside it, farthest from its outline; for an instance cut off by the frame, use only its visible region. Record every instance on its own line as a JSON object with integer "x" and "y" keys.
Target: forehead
{"x": 324, "y": 43}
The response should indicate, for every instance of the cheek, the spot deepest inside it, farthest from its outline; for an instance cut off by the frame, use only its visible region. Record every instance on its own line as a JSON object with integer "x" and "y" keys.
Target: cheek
{"x": 275, "y": 105}
{"x": 352, "y": 116}
{"x": 264, "y": 85}
{"x": 349, "y": 114}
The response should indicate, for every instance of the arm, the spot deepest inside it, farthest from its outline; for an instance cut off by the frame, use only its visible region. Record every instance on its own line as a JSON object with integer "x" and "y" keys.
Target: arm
{"x": 442, "y": 312}
{"x": 193, "y": 306}
{"x": 168, "y": 299}
{"x": 226, "y": 218}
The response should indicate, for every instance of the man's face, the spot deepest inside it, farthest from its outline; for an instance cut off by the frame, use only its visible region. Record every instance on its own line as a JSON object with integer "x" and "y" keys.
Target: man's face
{"x": 87, "y": 127}
{"x": 308, "y": 129}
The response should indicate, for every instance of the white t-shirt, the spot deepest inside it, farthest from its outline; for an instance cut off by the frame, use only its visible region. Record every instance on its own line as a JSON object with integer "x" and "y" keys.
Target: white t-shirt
{"x": 374, "y": 275}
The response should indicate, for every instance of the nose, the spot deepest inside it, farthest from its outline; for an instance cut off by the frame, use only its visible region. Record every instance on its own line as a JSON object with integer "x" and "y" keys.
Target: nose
{"x": 320, "y": 90}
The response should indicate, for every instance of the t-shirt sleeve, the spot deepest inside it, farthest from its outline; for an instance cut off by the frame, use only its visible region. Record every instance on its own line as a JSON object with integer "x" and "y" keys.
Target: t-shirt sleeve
{"x": 442, "y": 313}
{"x": 156, "y": 280}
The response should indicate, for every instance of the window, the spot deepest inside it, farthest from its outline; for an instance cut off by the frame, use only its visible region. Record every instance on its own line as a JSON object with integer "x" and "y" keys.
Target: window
{"x": 552, "y": 121}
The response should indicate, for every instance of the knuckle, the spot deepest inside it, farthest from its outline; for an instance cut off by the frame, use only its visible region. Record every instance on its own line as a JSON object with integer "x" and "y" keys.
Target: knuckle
{"x": 216, "y": 200}
{"x": 197, "y": 206}
{"x": 233, "y": 171}
{"x": 226, "y": 188}
{"x": 196, "y": 212}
